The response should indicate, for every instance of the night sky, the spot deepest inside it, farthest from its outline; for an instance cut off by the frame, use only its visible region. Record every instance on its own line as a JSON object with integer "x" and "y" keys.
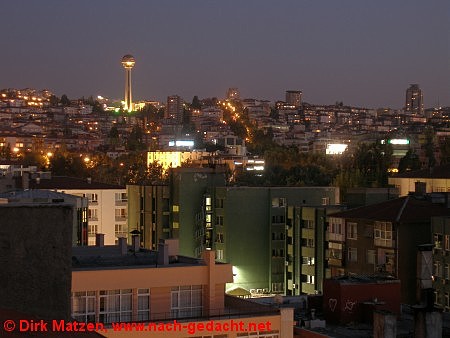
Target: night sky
{"x": 364, "y": 53}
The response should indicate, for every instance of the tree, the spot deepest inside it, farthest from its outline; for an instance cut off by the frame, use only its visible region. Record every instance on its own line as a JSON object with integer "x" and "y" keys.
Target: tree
{"x": 65, "y": 100}
{"x": 429, "y": 147}
{"x": 445, "y": 151}
{"x": 135, "y": 138}
{"x": 196, "y": 103}
{"x": 53, "y": 100}
{"x": 409, "y": 162}
{"x": 113, "y": 136}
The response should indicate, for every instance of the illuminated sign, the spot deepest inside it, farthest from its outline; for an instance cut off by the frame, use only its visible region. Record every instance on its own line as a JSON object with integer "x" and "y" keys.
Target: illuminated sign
{"x": 399, "y": 141}
{"x": 335, "y": 148}
{"x": 181, "y": 143}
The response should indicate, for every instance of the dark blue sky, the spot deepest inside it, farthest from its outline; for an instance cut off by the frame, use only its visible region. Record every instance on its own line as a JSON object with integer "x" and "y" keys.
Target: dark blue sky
{"x": 360, "y": 52}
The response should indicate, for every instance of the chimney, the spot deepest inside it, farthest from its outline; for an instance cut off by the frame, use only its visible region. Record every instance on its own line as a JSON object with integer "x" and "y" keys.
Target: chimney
{"x": 89, "y": 180}
{"x": 135, "y": 243}
{"x": 100, "y": 240}
{"x": 26, "y": 181}
{"x": 123, "y": 245}
{"x": 420, "y": 188}
{"x": 163, "y": 253}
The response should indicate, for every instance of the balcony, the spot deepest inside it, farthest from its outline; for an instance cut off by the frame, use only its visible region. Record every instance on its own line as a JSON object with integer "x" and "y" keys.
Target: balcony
{"x": 334, "y": 262}
{"x": 329, "y": 236}
{"x": 121, "y": 203}
{"x": 121, "y": 218}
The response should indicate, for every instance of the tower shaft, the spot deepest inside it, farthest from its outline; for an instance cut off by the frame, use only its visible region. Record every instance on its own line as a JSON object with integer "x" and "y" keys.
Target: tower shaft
{"x": 128, "y": 97}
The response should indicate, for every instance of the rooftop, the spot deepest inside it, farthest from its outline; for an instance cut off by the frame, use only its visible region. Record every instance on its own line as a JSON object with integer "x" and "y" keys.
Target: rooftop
{"x": 65, "y": 182}
{"x": 442, "y": 171}
{"x": 407, "y": 209}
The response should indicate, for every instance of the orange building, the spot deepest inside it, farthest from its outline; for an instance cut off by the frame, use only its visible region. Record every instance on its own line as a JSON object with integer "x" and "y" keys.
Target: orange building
{"x": 166, "y": 295}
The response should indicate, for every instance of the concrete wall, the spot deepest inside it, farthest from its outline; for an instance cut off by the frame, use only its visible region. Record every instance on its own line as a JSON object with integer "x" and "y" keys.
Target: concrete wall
{"x": 35, "y": 259}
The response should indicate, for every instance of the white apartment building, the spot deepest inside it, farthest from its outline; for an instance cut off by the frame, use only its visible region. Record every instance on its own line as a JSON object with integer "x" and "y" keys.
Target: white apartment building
{"x": 107, "y": 209}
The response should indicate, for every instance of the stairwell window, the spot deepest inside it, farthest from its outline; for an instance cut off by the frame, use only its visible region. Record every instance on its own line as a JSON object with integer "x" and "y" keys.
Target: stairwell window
{"x": 352, "y": 230}
{"x": 383, "y": 234}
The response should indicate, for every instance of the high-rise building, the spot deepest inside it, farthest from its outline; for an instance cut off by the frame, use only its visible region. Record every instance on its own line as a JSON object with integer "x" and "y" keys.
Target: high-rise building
{"x": 294, "y": 97}
{"x": 414, "y": 99}
{"x": 174, "y": 108}
{"x": 128, "y": 63}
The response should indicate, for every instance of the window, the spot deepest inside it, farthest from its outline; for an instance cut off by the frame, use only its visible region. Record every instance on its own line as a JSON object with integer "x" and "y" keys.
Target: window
{"x": 219, "y": 254}
{"x": 352, "y": 230}
{"x": 121, "y": 197}
{"x": 352, "y": 254}
{"x": 383, "y": 234}
{"x": 277, "y": 287}
{"x": 325, "y": 201}
{"x": 115, "y": 306}
{"x": 186, "y": 301}
{"x": 121, "y": 230}
{"x": 92, "y": 229}
{"x": 308, "y": 260}
{"x": 437, "y": 269}
{"x": 278, "y": 202}
{"x": 447, "y": 300}
{"x": 446, "y": 271}
{"x": 370, "y": 256}
{"x": 219, "y": 220}
{"x": 310, "y": 242}
{"x": 208, "y": 203}
{"x": 83, "y": 306}
{"x": 335, "y": 226}
{"x": 175, "y": 208}
{"x": 310, "y": 279}
{"x": 278, "y": 219}
{"x": 121, "y": 213}
{"x": 334, "y": 250}
{"x": 308, "y": 224}
{"x": 437, "y": 241}
{"x": 143, "y": 304}
{"x": 219, "y": 237}
{"x": 447, "y": 242}
{"x": 93, "y": 198}
{"x": 219, "y": 203}
{"x": 93, "y": 214}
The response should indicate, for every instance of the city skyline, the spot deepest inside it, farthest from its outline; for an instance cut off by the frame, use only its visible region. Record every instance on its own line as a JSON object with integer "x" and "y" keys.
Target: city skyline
{"x": 361, "y": 54}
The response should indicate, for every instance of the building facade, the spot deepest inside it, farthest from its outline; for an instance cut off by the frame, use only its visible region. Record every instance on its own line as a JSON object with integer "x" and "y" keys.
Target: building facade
{"x": 174, "y": 108}
{"x": 108, "y": 206}
{"x": 294, "y": 98}
{"x": 382, "y": 239}
{"x": 149, "y": 213}
{"x": 414, "y": 99}
{"x": 176, "y": 288}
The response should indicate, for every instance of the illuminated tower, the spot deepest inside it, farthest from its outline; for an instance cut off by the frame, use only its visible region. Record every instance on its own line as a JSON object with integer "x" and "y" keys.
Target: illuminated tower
{"x": 128, "y": 63}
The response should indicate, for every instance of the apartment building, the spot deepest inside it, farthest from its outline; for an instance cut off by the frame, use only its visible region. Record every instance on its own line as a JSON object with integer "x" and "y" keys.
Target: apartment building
{"x": 149, "y": 213}
{"x": 136, "y": 285}
{"x": 435, "y": 179}
{"x": 440, "y": 229}
{"x": 383, "y": 238}
{"x": 108, "y": 204}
